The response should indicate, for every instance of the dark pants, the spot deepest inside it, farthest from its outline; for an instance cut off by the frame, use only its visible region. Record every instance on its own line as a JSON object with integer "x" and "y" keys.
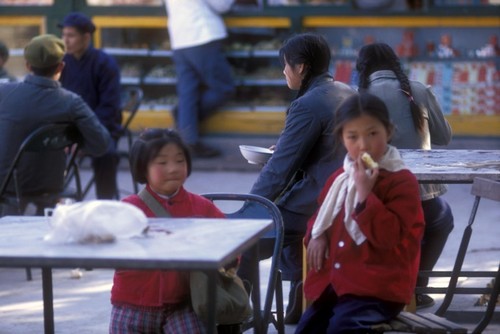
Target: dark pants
{"x": 291, "y": 257}
{"x": 204, "y": 83}
{"x": 347, "y": 314}
{"x": 438, "y": 225}
{"x": 105, "y": 173}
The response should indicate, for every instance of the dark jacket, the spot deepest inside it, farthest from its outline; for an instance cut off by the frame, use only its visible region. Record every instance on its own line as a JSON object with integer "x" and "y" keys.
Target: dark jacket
{"x": 305, "y": 148}
{"x": 96, "y": 78}
{"x": 27, "y": 105}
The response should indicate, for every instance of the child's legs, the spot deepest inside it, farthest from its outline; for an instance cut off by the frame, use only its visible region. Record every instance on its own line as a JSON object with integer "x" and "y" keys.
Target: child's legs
{"x": 128, "y": 320}
{"x": 183, "y": 320}
{"x": 316, "y": 317}
{"x": 353, "y": 314}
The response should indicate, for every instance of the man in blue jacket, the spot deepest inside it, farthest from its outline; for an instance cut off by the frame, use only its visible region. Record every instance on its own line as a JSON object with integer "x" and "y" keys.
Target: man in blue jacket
{"x": 94, "y": 76}
{"x": 40, "y": 100}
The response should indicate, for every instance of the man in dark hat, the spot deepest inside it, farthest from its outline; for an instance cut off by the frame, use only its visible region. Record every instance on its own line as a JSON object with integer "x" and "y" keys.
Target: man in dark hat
{"x": 40, "y": 100}
{"x": 95, "y": 76}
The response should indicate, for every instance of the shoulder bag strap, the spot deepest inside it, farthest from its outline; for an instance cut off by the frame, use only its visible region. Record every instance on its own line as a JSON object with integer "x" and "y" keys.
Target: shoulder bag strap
{"x": 153, "y": 204}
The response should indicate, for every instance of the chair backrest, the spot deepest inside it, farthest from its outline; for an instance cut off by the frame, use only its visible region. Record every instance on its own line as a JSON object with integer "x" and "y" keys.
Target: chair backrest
{"x": 49, "y": 137}
{"x": 254, "y": 206}
{"x": 131, "y": 102}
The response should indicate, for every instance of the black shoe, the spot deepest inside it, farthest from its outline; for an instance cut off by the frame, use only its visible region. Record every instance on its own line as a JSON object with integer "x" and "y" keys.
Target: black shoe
{"x": 294, "y": 307}
{"x": 200, "y": 150}
{"x": 423, "y": 301}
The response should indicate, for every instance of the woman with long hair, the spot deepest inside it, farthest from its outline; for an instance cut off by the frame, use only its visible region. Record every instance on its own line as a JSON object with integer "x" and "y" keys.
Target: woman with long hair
{"x": 419, "y": 123}
{"x": 303, "y": 156}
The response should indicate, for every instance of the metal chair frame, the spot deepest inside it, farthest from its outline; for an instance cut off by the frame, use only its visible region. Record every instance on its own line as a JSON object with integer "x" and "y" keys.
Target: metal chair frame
{"x": 131, "y": 105}
{"x": 274, "y": 287}
{"x": 50, "y": 137}
{"x": 481, "y": 188}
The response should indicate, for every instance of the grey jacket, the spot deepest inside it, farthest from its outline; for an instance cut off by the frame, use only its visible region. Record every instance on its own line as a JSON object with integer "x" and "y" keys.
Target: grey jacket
{"x": 305, "y": 149}
{"x": 437, "y": 131}
{"x": 26, "y": 105}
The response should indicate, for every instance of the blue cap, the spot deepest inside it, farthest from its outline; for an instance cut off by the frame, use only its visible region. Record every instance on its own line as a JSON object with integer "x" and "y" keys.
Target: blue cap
{"x": 79, "y": 21}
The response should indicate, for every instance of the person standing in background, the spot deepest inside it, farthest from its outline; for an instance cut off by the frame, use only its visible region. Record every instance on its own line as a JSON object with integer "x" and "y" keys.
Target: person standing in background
{"x": 419, "y": 122}
{"x": 4, "y": 56}
{"x": 95, "y": 76}
{"x": 204, "y": 77}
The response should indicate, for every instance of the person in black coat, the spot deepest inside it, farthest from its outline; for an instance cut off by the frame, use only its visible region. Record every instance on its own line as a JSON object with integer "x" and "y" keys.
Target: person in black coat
{"x": 304, "y": 155}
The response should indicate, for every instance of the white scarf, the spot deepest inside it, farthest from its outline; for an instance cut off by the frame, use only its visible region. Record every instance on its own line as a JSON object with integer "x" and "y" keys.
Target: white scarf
{"x": 343, "y": 192}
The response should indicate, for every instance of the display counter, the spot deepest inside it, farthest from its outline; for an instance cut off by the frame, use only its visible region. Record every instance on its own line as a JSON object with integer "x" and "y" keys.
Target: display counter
{"x": 467, "y": 84}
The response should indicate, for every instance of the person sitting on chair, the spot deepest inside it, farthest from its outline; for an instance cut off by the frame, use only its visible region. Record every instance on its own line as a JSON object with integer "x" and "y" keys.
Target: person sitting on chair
{"x": 95, "y": 76}
{"x": 37, "y": 101}
{"x": 303, "y": 155}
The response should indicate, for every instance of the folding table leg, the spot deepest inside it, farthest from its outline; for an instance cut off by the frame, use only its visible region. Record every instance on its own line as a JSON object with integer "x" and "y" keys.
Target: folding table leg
{"x": 213, "y": 297}
{"x": 48, "y": 306}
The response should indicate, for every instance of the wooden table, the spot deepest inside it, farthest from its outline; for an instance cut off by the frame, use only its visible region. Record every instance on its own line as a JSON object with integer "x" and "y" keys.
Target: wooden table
{"x": 456, "y": 166}
{"x": 452, "y": 166}
{"x": 190, "y": 244}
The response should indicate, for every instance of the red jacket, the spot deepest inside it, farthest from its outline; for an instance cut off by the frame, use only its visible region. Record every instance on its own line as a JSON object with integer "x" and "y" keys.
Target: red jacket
{"x": 155, "y": 287}
{"x": 385, "y": 265}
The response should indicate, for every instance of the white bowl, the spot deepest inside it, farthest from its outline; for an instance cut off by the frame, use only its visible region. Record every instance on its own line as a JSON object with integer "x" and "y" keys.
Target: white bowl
{"x": 255, "y": 155}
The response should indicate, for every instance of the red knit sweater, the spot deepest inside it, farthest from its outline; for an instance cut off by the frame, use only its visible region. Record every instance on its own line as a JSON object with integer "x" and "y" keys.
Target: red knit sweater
{"x": 156, "y": 288}
{"x": 385, "y": 265}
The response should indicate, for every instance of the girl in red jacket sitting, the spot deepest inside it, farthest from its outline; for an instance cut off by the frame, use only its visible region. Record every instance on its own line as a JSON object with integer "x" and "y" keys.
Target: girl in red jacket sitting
{"x": 363, "y": 243}
{"x": 159, "y": 301}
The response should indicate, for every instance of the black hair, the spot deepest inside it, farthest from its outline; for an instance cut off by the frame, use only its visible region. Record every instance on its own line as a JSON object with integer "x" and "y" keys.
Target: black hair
{"x": 361, "y": 104}
{"x": 309, "y": 49}
{"x": 46, "y": 71}
{"x": 147, "y": 147}
{"x": 380, "y": 56}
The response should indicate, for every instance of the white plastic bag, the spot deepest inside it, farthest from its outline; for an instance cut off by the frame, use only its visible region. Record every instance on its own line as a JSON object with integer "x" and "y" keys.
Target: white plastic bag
{"x": 95, "y": 222}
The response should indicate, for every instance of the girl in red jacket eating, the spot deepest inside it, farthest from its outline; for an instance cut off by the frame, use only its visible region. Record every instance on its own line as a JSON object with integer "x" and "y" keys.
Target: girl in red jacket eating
{"x": 159, "y": 301}
{"x": 363, "y": 243}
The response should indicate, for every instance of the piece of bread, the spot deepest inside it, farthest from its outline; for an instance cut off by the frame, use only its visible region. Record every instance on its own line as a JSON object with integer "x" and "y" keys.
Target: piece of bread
{"x": 369, "y": 162}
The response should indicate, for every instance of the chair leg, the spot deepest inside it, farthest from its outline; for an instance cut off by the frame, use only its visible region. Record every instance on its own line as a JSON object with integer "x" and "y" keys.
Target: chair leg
{"x": 490, "y": 309}
{"x": 88, "y": 186}
{"x": 280, "y": 311}
{"x": 29, "y": 276}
